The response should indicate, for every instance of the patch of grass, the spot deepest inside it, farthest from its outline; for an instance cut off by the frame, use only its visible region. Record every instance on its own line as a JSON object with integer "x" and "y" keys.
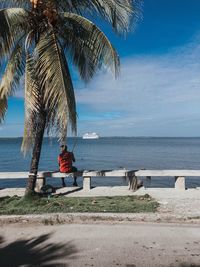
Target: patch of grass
{"x": 38, "y": 205}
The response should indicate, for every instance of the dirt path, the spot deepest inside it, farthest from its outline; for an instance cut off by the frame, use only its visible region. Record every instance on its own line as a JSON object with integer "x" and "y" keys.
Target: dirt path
{"x": 109, "y": 245}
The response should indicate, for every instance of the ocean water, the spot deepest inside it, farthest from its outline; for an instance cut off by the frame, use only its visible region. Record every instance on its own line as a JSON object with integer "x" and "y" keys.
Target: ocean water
{"x": 108, "y": 153}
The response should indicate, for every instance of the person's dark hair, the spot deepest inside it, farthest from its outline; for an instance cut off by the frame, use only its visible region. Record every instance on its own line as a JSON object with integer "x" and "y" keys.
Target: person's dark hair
{"x": 64, "y": 146}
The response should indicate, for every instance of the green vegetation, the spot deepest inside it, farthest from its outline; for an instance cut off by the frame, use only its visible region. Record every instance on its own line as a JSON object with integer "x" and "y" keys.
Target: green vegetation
{"x": 38, "y": 205}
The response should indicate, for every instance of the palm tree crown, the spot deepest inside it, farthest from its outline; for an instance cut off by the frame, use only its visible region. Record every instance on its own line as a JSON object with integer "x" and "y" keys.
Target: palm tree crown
{"x": 37, "y": 37}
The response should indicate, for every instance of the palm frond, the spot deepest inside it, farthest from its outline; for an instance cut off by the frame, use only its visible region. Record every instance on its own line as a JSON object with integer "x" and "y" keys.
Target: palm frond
{"x": 88, "y": 45}
{"x": 3, "y": 108}
{"x": 15, "y": 63}
{"x": 33, "y": 104}
{"x": 58, "y": 96}
{"x": 69, "y": 92}
{"x": 13, "y": 25}
{"x": 30, "y": 126}
{"x": 32, "y": 86}
{"x": 117, "y": 12}
{"x": 13, "y": 72}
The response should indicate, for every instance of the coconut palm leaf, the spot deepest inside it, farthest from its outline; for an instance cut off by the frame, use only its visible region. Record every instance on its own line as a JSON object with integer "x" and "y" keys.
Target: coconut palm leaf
{"x": 80, "y": 53}
{"x": 32, "y": 86}
{"x": 30, "y": 127}
{"x": 13, "y": 25}
{"x": 33, "y": 103}
{"x": 3, "y": 108}
{"x": 69, "y": 92}
{"x": 53, "y": 72}
{"x": 116, "y": 12}
{"x": 13, "y": 72}
{"x": 88, "y": 45}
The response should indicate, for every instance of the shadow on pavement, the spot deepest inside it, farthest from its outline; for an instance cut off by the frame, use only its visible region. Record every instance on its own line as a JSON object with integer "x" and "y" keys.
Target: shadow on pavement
{"x": 35, "y": 252}
{"x": 70, "y": 192}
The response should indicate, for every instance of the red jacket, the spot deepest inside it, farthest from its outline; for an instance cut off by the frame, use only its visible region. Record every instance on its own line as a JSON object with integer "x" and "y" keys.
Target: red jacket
{"x": 65, "y": 160}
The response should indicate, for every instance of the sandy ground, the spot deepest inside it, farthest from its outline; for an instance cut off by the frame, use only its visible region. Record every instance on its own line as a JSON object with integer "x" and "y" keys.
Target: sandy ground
{"x": 100, "y": 245}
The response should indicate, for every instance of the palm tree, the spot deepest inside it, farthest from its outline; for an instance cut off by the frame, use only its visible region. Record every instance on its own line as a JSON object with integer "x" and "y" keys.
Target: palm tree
{"x": 37, "y": 40}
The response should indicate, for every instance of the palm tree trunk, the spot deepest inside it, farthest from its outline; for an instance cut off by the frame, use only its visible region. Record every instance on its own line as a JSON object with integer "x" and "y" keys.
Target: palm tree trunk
{"x": 36, "y": 156}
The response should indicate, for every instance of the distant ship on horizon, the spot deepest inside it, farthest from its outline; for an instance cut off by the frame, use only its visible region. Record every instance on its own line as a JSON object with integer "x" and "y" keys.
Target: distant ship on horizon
{"x": 90, "y": 136}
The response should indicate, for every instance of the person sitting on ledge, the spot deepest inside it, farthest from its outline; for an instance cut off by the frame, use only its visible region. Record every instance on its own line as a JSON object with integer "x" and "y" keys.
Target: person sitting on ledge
{"x": 65, "y": 161}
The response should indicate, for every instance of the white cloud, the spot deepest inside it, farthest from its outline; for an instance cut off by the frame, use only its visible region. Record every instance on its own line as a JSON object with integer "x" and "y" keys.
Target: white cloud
{"x": 156, "y": 95}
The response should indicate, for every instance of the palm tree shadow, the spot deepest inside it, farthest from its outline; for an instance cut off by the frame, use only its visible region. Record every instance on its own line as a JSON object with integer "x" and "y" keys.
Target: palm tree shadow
{"x": 36, "y": 252}
{"x": 70, "y": 192}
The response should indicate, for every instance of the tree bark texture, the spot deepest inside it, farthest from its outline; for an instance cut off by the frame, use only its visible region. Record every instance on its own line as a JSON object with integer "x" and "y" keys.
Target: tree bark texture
{"x": 36, "y": 155}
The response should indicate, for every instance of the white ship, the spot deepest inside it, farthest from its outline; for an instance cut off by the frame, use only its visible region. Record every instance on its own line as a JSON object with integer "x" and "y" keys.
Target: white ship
{"x": 90, "y": 136}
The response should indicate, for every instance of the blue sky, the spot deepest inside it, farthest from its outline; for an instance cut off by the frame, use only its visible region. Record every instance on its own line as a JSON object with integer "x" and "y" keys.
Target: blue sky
{"x": 158, "y": 90}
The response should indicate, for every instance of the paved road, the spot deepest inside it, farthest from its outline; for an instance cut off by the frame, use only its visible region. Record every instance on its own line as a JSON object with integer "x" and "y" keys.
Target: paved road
{"x": 106, "y": 245}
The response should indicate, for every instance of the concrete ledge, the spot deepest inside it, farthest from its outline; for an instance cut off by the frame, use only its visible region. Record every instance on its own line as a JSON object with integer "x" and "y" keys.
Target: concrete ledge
{"x": 178, "y": 173}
